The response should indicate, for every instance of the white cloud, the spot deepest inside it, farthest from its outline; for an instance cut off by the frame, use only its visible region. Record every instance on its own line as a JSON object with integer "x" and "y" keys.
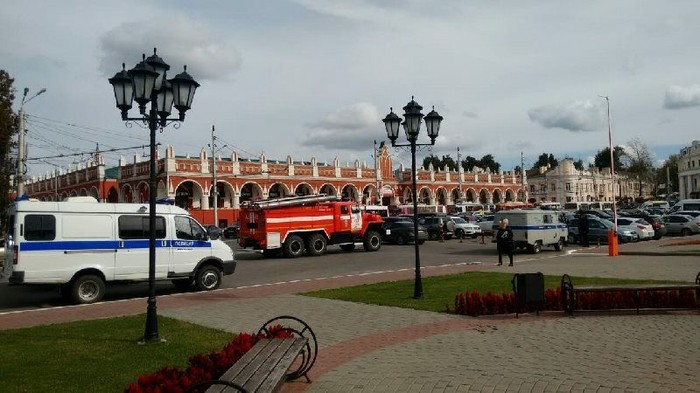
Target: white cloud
{"x": 190, "y": 43}
{"x": 678, "y": 97}
{"x": 350, "y": 127}
{"x": 581, "y": 115}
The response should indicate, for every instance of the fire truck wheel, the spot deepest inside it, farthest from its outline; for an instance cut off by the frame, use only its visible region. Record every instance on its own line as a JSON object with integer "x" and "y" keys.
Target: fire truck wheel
{"x": 372, "y": 241}
{"x": 348, "y": 247}
{"x": 294, "y": 246}
{"x": 316, "y": 244}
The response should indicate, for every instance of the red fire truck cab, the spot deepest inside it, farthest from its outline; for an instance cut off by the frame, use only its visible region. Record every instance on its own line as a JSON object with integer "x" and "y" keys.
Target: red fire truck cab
{"x": 307, "y": 224}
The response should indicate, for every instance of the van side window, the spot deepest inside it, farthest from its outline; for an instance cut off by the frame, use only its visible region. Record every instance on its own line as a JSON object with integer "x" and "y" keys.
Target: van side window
{"x": 136, "y": 227}
{"x": 188, "y": 229}
{"x": 39, "y": 227}
{"x": 547, "y": 219}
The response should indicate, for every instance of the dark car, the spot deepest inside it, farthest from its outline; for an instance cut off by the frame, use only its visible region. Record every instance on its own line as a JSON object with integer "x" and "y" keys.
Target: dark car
{"x": 213, "y": 231}
{"x": 231, "y": 232}
{"x": 402, "y": 232}
{"x": 436, "y": 225}
{"x": 655, "y": 221}
{"x": 598, "y": 231}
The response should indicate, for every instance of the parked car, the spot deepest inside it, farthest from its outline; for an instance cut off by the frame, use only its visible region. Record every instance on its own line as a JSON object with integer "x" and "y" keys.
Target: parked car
{"x": 397, "y": 218}
{"x": 402, "y": 232}
{"x": 655, "y": 221}
{"x": 644, "y": 230}
{"x": 213, "y": 231}
{"x": 435, "y": 224}
{"x": 598, "y": 231}
{"x": 465, "y": 228}
{"x": 692, "y": 213}
{"x": 486, "y": 224}
{"x": 231, "y": 232}
{"x": 681, "y": 224}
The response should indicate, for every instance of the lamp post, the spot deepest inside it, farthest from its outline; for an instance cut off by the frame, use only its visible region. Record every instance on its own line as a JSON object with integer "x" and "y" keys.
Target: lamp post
{"x": 21, "y": 148}
{"x": 612, "y": 235}
{"x": 145, "y": 83}
{"x": 411, "y": 126}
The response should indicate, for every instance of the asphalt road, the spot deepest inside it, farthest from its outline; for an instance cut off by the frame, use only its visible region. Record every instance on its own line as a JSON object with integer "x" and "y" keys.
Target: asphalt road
{"x": 253, "y": 269}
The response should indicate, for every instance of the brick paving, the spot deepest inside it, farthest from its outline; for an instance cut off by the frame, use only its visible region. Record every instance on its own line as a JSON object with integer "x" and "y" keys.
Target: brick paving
{"x": 365, "y": 348}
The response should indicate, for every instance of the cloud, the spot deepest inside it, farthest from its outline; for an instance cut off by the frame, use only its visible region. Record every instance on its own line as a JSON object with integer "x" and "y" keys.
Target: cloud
{"x": 581, "y": 115}
{"x": 469, "y": 114}
{"x": 678, "y": 97}
{"x": 190, "y": 44}
{"x": 348, "y": 128}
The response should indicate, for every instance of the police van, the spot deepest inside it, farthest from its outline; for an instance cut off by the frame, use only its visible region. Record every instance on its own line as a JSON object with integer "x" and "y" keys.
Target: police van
{"x": 534, "y": 229}
{"x": 81, "y": 244}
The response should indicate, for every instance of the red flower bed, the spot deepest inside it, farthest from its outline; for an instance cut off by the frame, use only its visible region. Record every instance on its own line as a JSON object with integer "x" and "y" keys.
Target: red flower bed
{"x": 475, "y": 304}
{"x": 200, "y": 368}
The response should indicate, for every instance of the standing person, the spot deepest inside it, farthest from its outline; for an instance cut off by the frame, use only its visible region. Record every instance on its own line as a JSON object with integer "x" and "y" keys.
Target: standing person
{"x": 504, "y": 241}
{"x": 583, "y": 229}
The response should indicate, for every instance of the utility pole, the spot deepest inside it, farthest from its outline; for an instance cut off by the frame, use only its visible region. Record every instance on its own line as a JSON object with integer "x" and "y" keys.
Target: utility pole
{"x": 522, "y": 176}
{"x": 214, "y": 189}
{"x": 22, "y": 148}
{"x": 459, "y": 177}
{"x": 376, "y": 175}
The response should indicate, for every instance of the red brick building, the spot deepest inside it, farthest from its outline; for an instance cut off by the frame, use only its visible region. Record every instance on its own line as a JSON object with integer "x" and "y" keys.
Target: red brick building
{"x": 188, "y": 182}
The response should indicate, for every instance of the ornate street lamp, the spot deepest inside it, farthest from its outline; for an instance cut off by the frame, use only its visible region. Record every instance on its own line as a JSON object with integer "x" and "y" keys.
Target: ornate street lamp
{"x": 147, "y": 83}
{"x": 411, "y": 126}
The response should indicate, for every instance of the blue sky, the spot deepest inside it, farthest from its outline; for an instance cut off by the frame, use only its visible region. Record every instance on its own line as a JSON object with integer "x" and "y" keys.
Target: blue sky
{"x": 314, "y": 78}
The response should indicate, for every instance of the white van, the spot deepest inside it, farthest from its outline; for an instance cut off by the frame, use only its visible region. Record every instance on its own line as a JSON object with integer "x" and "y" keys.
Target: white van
{"x": 80, "y": 245}
{"x": 663, "y": 205}
{"x": 685, "y": 205}
{"x": 534, "y": 229}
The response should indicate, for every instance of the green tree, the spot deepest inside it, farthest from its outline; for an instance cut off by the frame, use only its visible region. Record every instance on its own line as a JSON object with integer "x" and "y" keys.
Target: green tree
{"x": 545, "y": 160}
{"x": 639, "y": 164}
{"x": 432, "y": 159}
{"x": 448, "y": 162}
{"x": 602, "y": 158}
{"x": 487, "y": 161}
{"x": 469, "y": 162}
{"x": 668, "y": 175}
{"x": 8, "y": 128}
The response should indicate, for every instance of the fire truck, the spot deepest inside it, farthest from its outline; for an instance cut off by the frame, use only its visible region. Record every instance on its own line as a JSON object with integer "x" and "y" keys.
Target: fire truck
{"x": 307, "y": 224}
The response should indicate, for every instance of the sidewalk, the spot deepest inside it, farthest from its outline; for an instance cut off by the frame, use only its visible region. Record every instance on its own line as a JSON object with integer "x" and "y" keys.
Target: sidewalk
{"x": 365, "y": 348}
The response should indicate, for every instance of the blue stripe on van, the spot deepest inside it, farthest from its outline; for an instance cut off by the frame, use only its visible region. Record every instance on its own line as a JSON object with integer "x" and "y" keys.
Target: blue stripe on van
{"x": 536, "y": 227}
{"x": 107, "y": 245}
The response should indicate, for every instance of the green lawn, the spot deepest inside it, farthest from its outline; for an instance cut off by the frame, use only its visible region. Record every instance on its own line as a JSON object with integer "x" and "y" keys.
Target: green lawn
{"x": 98, "y": 355}
{"x": 103, "y": 355}
{"x": 440, "y": 291}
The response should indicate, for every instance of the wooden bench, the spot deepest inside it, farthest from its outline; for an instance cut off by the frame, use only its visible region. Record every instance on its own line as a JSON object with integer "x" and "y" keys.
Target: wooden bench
{"x": 271, "y": 361}
{"x": 568, "y": 291}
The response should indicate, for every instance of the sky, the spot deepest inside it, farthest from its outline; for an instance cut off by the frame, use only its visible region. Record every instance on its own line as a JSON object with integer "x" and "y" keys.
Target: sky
{"x": 315, "y": 78}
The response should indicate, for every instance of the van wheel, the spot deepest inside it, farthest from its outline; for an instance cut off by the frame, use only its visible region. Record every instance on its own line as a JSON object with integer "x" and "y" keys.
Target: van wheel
{"x": 316, "y": 244}
{"x": 535, "y": 248}
{"x": 208, "y": 278}
{"x": 183, "y": 283}
{"x": 87, "y": 289}
{"x": 372, "y": 241}
{"x": 686, "y": 232}
{"x": 294, "y": 246}
{"x": 560, "y": 245}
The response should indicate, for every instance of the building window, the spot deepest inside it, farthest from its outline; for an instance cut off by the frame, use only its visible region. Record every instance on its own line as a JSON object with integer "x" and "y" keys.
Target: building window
{"x": 568, "y": 186}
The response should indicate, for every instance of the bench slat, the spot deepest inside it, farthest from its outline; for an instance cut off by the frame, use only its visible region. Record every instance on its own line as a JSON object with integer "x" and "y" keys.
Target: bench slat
{"x": 278, "y": 367}
{"x": 269, "y": 358}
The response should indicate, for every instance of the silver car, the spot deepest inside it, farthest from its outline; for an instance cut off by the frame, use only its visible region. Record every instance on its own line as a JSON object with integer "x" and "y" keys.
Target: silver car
{"x": 681, "y": 224}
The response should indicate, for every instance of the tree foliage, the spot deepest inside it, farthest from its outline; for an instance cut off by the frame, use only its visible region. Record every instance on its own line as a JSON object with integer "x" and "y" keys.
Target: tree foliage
{"x": 668, "y": 175}
{"x": 468, "y": 163}
{"x": 602, "y": 158}
{"x": 8, "y": 128}
{"x": 546, "y": 160}
{"x": 639, "y": 163}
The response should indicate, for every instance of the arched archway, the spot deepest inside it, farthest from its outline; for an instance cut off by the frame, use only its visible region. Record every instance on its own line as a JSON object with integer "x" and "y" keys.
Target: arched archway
{"x": 441, "y": 196}
{"x": 497, "y": 196}
{"x": 328, "y": 189}
{"x": 484, "y": 196}
{"x": 424, "y": 196}
{"x": 188, "y": 195}
{"x": 471, "y": 195}
{"x": 303, "y": 189}
{"x": 251, "y": 192}
{"x": 278, "y": 190}
{"x": 510, "y": 195}
{"x": 350, "y": 193}
{"x": 143, "y": 192}
{"x": 112, "y": 195}
{"x": 454, "y": 195}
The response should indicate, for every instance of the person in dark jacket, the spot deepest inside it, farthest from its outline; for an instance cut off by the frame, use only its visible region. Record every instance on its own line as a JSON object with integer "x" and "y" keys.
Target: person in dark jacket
{"x": 504, "y": 241}
{"x": 583, "y": 229}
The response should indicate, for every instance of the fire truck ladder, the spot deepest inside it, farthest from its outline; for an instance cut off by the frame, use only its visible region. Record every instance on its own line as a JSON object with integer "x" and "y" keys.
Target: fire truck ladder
{"x": 294, "y": 201}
